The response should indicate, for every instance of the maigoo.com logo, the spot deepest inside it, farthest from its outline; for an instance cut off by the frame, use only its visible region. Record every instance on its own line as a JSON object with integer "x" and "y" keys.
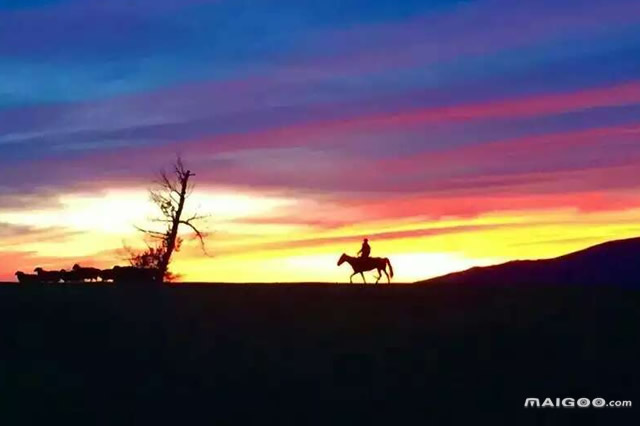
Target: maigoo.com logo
{"x": 573, "y": 403}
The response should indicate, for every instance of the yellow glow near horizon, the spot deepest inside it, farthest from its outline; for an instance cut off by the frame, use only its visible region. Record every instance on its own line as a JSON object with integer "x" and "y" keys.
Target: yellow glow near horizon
{"x": 116, "y": 211}
{"x": 419, "y": 248}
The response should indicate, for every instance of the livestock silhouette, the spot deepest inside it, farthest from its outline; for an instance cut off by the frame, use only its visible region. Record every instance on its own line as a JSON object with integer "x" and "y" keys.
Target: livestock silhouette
{"x": 69, "y": 276}
{"x": 132, "y": 274}
{"x": 80, "y": 274}
{"x": 107, "y": 275}
{"x": 364, "y": 264}
{"x": 48, "y": 276}
{"x": 91, "y": 274}
{"x": 27, "y": 278}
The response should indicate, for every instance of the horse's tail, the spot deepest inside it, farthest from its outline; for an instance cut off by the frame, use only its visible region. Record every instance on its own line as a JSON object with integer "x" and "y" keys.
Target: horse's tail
{"x": 386, "y": 259}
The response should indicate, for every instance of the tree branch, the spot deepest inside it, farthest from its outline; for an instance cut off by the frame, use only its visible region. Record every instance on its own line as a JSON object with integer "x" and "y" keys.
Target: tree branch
{"x": 167, "y": 183}
{"x": 170, "y": 194}
{"x": 197, "y": 217}
{"x": 158, "y": 220}
{"x": 199, "y": 235}
{"x": 154, "y": 234}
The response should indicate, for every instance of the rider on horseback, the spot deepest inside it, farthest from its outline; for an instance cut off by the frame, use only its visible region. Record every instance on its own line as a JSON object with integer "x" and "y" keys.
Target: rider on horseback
{"x": 365, "y": 251}
{"x": 364, "y": 262}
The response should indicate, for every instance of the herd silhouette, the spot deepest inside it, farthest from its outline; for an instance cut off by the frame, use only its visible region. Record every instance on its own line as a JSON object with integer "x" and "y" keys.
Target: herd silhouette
{"x": 80, "y": 274}
{"x": 133, "y": 274}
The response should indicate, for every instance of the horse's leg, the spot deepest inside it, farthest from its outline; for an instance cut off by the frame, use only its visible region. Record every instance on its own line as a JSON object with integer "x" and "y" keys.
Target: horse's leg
{"x": 379, "y": 276}
{"x": 388, "y": 279}
{"x": 363, "y": 280}
{"x": 351, "y": 278}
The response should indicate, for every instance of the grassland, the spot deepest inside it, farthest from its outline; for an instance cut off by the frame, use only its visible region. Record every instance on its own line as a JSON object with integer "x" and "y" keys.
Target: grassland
{"x": 311, "y": 353}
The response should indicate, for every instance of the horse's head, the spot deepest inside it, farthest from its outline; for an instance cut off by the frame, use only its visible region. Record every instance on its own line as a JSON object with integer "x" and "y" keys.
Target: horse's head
{"x": 38, "y": 269}
{"x": 342, "y": 259}
{"x": 76, "y": 267}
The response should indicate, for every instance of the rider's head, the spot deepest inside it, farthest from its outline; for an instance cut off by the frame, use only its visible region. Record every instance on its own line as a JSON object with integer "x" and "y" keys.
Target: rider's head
{"x": 366, "y": 240}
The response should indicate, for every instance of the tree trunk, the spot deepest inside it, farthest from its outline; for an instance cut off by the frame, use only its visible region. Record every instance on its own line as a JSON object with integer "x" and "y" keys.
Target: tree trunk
{"x": 173, "y": 234}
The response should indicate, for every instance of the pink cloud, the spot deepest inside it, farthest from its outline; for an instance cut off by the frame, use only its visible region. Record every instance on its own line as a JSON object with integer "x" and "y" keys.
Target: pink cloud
{"x": 467, "y": 206}
{"x": 623, "y": 94}
{"x": 443, "y": 169}
{"x": 612, "y": 146}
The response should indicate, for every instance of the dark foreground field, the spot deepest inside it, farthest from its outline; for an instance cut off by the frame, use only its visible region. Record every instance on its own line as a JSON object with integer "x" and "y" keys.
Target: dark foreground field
{"x": 301, "y": 354}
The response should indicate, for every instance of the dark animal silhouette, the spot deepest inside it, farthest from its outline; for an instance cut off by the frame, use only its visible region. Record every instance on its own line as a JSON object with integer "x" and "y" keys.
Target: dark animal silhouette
{"x": 362, "y": 264}
{"x": 91, "y": 274}
{"x": 107, "y": 274}
{"x": 131, "y": 274}
{"x": 48, "y": 276}
{"x": 614, "y": 263}
{"x": 27, "y": 278}
{"x": 69, "y": 276}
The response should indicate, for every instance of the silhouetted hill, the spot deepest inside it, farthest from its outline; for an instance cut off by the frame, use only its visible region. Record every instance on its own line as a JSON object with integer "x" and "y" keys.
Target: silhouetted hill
{"x": 610, "y": 263}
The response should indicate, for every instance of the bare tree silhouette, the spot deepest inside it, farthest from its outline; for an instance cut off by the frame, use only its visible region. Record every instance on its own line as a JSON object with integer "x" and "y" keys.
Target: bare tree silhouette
{"x": 171, "y": 195}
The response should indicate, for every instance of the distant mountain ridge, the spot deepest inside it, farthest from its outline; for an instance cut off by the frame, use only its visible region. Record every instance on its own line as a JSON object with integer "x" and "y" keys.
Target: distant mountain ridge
{"x": 611, "y": 263}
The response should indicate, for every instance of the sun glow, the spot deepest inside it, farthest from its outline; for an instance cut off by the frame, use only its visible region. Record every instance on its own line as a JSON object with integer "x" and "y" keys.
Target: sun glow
{"x": 260, "y": 238}
{"x": 116, "y": 211}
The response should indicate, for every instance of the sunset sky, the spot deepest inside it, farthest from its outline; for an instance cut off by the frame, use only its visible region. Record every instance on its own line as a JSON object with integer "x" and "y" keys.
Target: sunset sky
{"x": 450, "y": 133}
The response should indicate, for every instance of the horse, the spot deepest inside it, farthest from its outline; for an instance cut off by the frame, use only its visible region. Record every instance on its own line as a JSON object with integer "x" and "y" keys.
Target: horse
{"x": 363, "y": 264}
